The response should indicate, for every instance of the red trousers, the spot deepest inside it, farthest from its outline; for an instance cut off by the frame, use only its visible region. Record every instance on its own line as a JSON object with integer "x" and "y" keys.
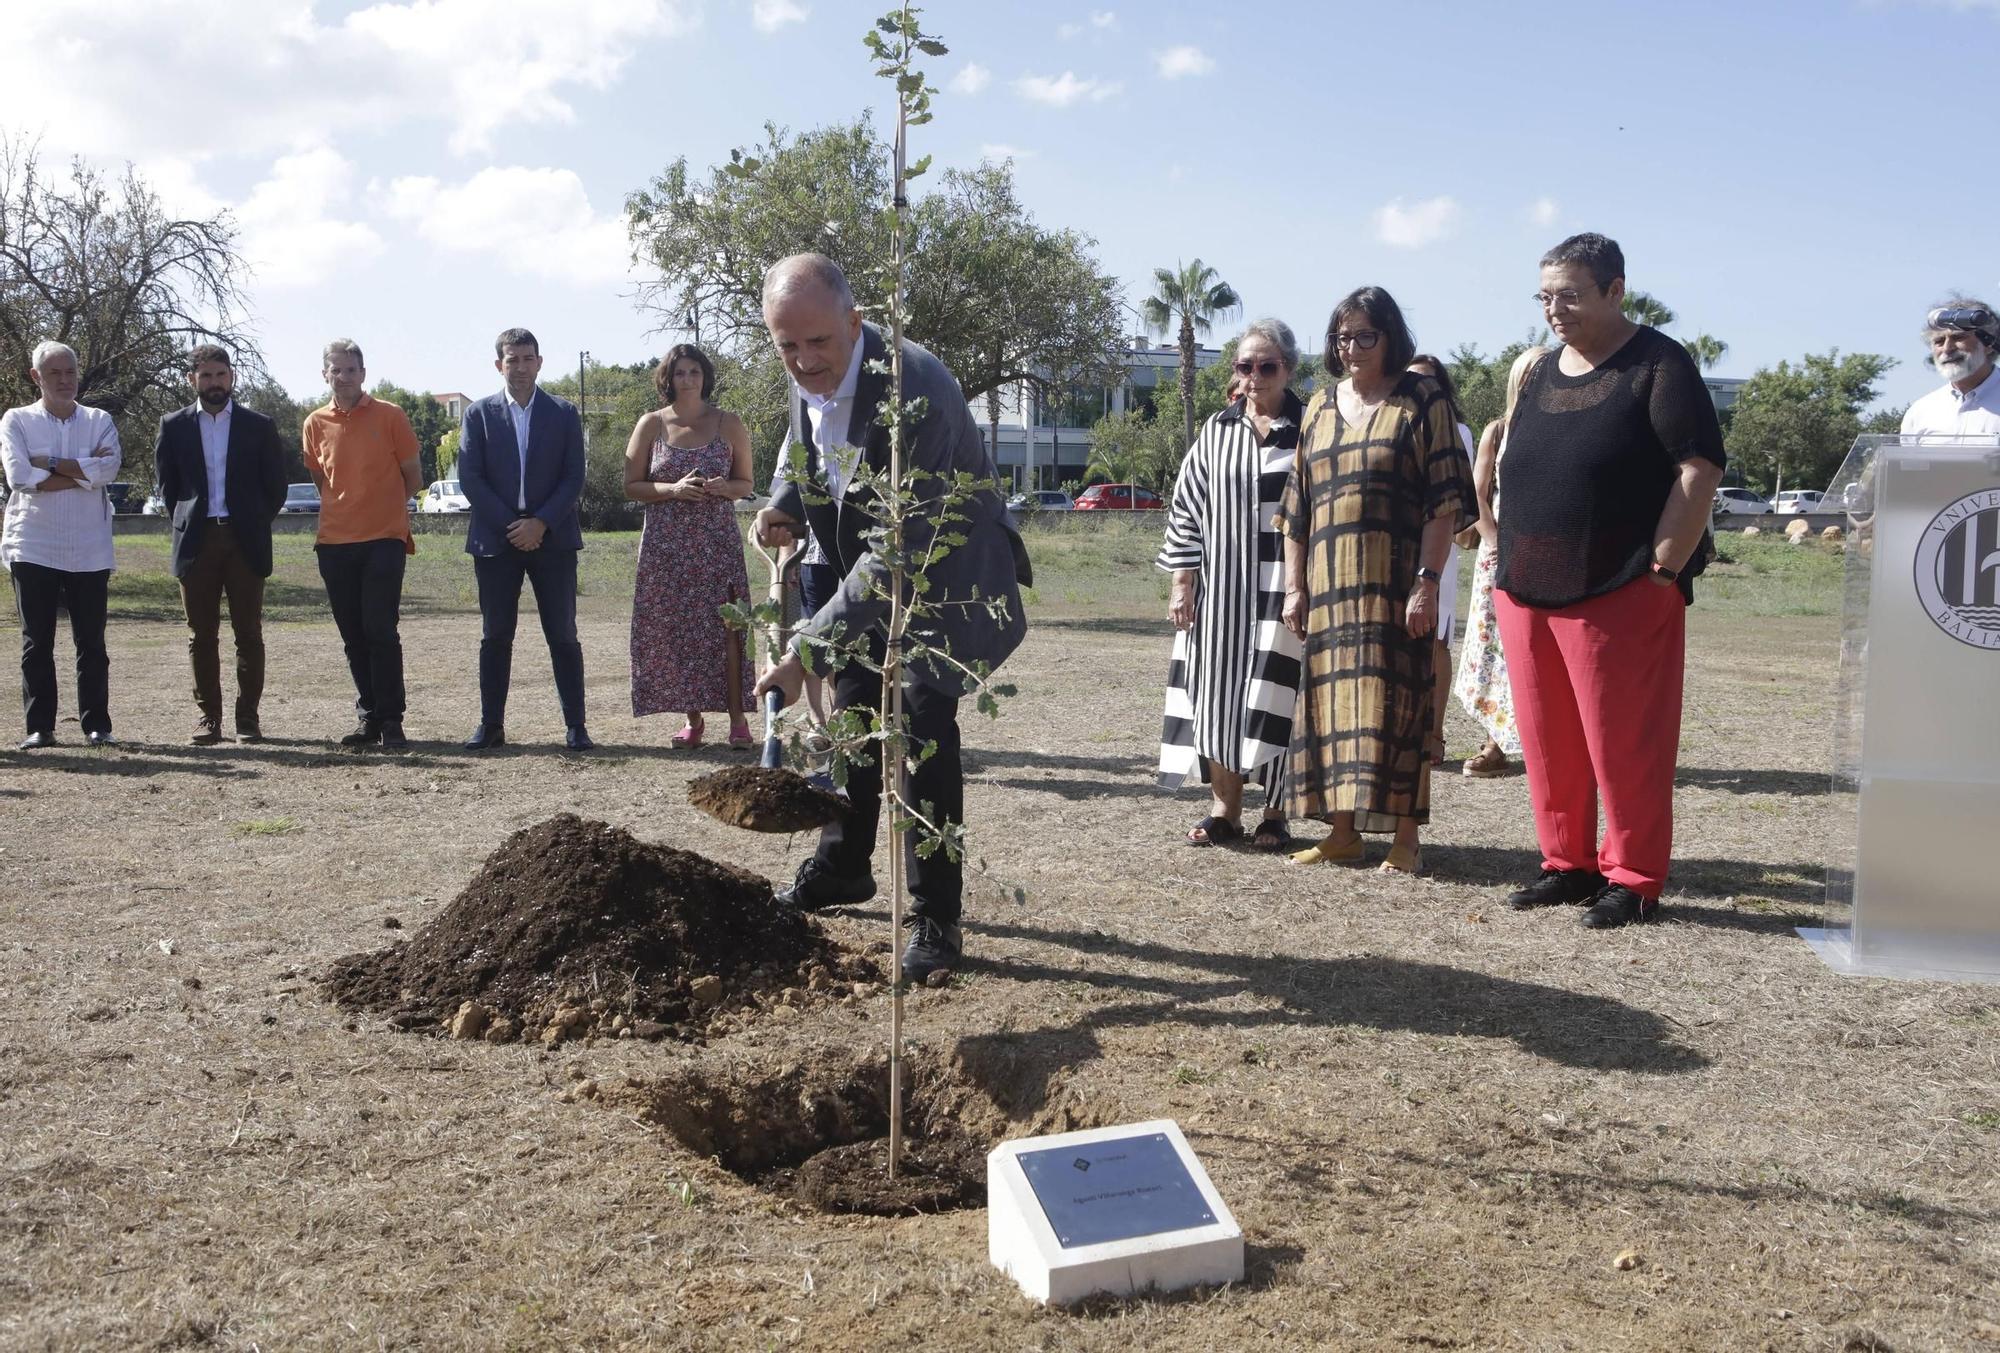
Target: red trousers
{"x": 1597, "y": 695}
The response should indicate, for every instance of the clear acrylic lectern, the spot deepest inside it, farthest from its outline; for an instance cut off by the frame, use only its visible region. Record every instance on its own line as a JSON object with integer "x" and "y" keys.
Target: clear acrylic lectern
{"x": 1913, "y": 877}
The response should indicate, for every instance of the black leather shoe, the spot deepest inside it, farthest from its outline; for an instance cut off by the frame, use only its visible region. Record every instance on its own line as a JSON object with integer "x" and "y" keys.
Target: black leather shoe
{"x": 205, "y": 734}
{"x": 392, "y": 736}
{"x": 932, "y": 948}
{"x": 1618, "y": 905}
{"x": 366, "y": 734}
{"x": 485, "y": 736}
{"x": 249, "y": 732}
{"x": 577, "y": 739}
{"x": 100, "y": 739}
{"x": 816, "y": 888}
{"x": 37, "y": 740}
{"x": 1558, "y": 888}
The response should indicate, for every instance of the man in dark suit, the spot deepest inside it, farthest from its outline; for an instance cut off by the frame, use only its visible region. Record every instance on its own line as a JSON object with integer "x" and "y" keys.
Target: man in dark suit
{"x": 830, "y": 354}
{"x": 520, "y": 464}
{"x": 222, "y": 478}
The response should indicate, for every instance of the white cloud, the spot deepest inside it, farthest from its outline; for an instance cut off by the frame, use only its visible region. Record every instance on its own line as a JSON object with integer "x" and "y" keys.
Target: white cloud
{"x": 970, "y": 79}
{"x": 1175, "y": 62}
{"x": 999, "y": 151}
{"x": 1103, "y": 18}
{"x": 1544, "y": 211}
{"x": 1066, "y": 31}
{"x": 770, "y": 15}
{"x": 1060, "y": 91}
{"x": 273, "y": 73}
{"x": 293, "y": 231}
{"x": 537, "y": 222}
{"x": 1415, "y": 224}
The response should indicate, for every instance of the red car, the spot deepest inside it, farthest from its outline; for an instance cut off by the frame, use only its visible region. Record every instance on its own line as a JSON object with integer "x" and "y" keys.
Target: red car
{"x": 1115, "y": 497}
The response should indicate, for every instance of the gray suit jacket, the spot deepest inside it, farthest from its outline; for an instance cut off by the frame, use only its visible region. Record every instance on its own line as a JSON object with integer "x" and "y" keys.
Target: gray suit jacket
{"x": 992, "y": 561}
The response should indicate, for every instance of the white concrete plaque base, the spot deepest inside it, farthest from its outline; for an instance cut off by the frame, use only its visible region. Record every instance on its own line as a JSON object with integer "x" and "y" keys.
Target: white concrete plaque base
{"x": 1117, "y": 1209}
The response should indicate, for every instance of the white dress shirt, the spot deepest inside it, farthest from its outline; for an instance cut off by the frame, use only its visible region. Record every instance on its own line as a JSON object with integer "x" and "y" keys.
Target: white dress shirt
{"x": 522, "y": 414}
{"x": 830, "y": 416}
{"x": 215, "y": 455}
{"x": 70, "y": 529}
{"x": 1948, "y": 412}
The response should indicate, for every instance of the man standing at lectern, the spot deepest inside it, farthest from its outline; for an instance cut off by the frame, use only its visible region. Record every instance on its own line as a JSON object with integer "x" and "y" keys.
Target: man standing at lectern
{"x": 1964, "y": 336}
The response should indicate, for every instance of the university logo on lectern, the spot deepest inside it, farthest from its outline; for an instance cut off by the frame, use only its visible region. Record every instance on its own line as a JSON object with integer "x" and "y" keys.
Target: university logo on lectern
{"x": 1958, "y": 569}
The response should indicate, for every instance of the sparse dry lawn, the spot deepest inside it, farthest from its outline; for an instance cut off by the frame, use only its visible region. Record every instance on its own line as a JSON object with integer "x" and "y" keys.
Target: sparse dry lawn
{"x": 1437, "y": 1121}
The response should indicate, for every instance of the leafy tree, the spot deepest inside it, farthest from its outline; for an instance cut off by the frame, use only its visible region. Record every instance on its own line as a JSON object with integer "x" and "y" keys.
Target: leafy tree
{"x": 447, "y": 454}
{"x": 1794, "y": 424}
{"x": 1706, "y": 349}
{"x": 1189, "y": 299}
{"x": 1134, "y": 447}
{"x": 268, "y": 397}
{"x": 98, "y": 264}
{"x": 1644, "y": 308}
{"x": 999, "y": 299}
{"x": 1482, "y": 382}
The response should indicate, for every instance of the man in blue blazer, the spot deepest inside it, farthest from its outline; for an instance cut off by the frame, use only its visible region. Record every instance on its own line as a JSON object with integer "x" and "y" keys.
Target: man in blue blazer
{"x": 520, "y": 464}
{"x": 221, "y": 476}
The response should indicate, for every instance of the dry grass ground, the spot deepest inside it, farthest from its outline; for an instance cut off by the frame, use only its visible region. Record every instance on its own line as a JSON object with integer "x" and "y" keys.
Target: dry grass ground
{"x": 1437, "y": 1121}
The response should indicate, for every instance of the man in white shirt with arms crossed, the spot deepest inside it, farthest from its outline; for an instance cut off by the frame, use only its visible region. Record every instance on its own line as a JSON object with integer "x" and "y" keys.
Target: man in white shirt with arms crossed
{"x": 56, "y": 543}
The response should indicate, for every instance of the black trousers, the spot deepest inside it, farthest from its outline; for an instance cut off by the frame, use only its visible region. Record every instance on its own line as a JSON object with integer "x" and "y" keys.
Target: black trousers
{"x": 553, "y": 574}
{"x": 937, "y": 884}
{"x": 37, "y": 593}
{"x": 364, "y": 586}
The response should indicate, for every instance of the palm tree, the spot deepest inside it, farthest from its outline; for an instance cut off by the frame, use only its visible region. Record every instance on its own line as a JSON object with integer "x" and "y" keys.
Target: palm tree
{"x": 1195, "y": 297}
{"x": 1706, "y": 349}
{"x": 1643, "y": 308}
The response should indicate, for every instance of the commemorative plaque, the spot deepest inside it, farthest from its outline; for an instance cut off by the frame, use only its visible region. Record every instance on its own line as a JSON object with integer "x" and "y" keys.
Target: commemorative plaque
{"x": 1117, "y": 1210}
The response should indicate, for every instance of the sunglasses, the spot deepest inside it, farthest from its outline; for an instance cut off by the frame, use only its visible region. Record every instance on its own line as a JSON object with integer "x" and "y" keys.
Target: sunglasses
{"x": 1267, "y": 367}
{"x": 1363, "y": 339}
{"x": 1976, "y": 318}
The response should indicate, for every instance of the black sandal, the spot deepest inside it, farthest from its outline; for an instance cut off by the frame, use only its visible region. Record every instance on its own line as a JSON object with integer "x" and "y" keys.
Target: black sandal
{"x": 1272, "y": 834}
{"x": 1215, "y": 831}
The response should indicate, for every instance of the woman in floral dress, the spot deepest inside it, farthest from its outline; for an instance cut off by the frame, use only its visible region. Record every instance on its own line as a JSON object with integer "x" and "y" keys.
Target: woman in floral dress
{"x": 1481, "y": 685}
{"x": 688, "y": 462}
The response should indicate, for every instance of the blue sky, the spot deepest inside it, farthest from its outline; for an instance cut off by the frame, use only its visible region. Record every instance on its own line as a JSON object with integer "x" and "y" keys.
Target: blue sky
{"x": 1790, "y": 176}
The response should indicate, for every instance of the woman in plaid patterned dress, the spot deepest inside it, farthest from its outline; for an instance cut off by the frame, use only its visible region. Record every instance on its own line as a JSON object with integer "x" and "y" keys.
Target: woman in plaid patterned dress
{"x": 1380, "y": 485}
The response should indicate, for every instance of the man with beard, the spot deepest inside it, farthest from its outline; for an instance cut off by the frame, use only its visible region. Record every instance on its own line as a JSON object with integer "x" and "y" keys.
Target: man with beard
{"x": 222, "y": 478}
{"x": 1964, "y": 335}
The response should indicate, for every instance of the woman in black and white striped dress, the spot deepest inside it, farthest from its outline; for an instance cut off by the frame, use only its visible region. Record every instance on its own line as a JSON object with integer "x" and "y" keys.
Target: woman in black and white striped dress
{"x": 1233, "y": 680}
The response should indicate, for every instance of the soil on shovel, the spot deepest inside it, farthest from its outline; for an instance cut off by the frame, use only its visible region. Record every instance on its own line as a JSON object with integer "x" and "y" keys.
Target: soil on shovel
{"x": 575, "y": 928}
{"x": 765, "y": 800}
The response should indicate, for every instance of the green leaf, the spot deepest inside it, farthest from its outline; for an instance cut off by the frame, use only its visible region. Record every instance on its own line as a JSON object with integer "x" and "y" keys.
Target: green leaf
{"x": 932, "y": 47}
{"x": 918, "y": 169}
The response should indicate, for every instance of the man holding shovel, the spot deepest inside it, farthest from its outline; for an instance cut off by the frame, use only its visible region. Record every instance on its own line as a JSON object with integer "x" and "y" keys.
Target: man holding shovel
{"x": 837, "y": 397}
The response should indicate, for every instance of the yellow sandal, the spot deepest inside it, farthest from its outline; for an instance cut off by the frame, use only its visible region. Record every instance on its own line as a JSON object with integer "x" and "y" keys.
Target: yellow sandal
{"x": 1401, "y": 861}
{"x": 1327, "y": 853}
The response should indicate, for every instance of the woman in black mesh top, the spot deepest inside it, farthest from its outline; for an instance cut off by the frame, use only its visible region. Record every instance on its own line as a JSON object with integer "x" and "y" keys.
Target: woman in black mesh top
{"x": 1612, "y": 463}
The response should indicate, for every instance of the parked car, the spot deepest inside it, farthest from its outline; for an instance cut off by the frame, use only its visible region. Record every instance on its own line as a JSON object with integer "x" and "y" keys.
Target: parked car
{"x": 1739, "y": 503}
{"x": 122, "y": 500}
{"x": 154, "y": 506}
{"x": 444, "y": 496}
{"x": 1119, "y": 497}
{"x": 1042, "y": 500}
{"x": 1798, "y": 502}
{"x": 301, "y": 498}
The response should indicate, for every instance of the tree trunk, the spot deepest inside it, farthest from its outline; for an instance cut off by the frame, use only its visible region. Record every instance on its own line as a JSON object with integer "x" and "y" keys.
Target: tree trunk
{"x": 1187, "y": 378}
{"x": 993, "y": 428}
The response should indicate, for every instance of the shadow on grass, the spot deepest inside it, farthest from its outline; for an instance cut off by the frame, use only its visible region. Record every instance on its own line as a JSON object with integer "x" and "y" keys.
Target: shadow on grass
{"x": 1152, "y": 629}
{"x": 1575, "y": 1029}
{"x": 157, "y": 596}
{"x": 1800, "y": 783}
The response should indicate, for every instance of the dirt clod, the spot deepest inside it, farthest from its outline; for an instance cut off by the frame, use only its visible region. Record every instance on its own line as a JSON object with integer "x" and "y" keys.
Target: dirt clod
{"x": 764, "y": 800}
{"x": 570, "y": 922}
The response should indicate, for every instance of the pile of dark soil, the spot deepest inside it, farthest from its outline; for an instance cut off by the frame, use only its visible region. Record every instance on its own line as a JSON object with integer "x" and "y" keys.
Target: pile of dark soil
{"x": 939, "y": 1173}
{"x": 765, "y": 800}
{"x": 574, "y": 929}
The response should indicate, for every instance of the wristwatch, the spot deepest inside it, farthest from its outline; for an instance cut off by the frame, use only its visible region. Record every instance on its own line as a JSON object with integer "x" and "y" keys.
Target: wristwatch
{"x": 1429, "y": 574}
{"x": 1665, "y": 574}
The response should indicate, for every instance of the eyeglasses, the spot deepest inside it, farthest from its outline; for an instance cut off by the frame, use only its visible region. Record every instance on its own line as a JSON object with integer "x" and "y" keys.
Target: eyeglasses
{"x": 1972, "y": 318}
{"x": 1267, "y": 367}
{"x": 1364, "y": 339}
{"x": 1566, "y": 298}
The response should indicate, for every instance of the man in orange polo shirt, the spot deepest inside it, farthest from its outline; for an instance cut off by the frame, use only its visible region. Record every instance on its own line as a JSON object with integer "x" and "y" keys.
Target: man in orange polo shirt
{"x": 363, "y": 455}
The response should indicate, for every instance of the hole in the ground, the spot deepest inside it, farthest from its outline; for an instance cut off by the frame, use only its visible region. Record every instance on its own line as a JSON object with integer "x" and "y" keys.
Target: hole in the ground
{"x": 817, "y": 1132}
